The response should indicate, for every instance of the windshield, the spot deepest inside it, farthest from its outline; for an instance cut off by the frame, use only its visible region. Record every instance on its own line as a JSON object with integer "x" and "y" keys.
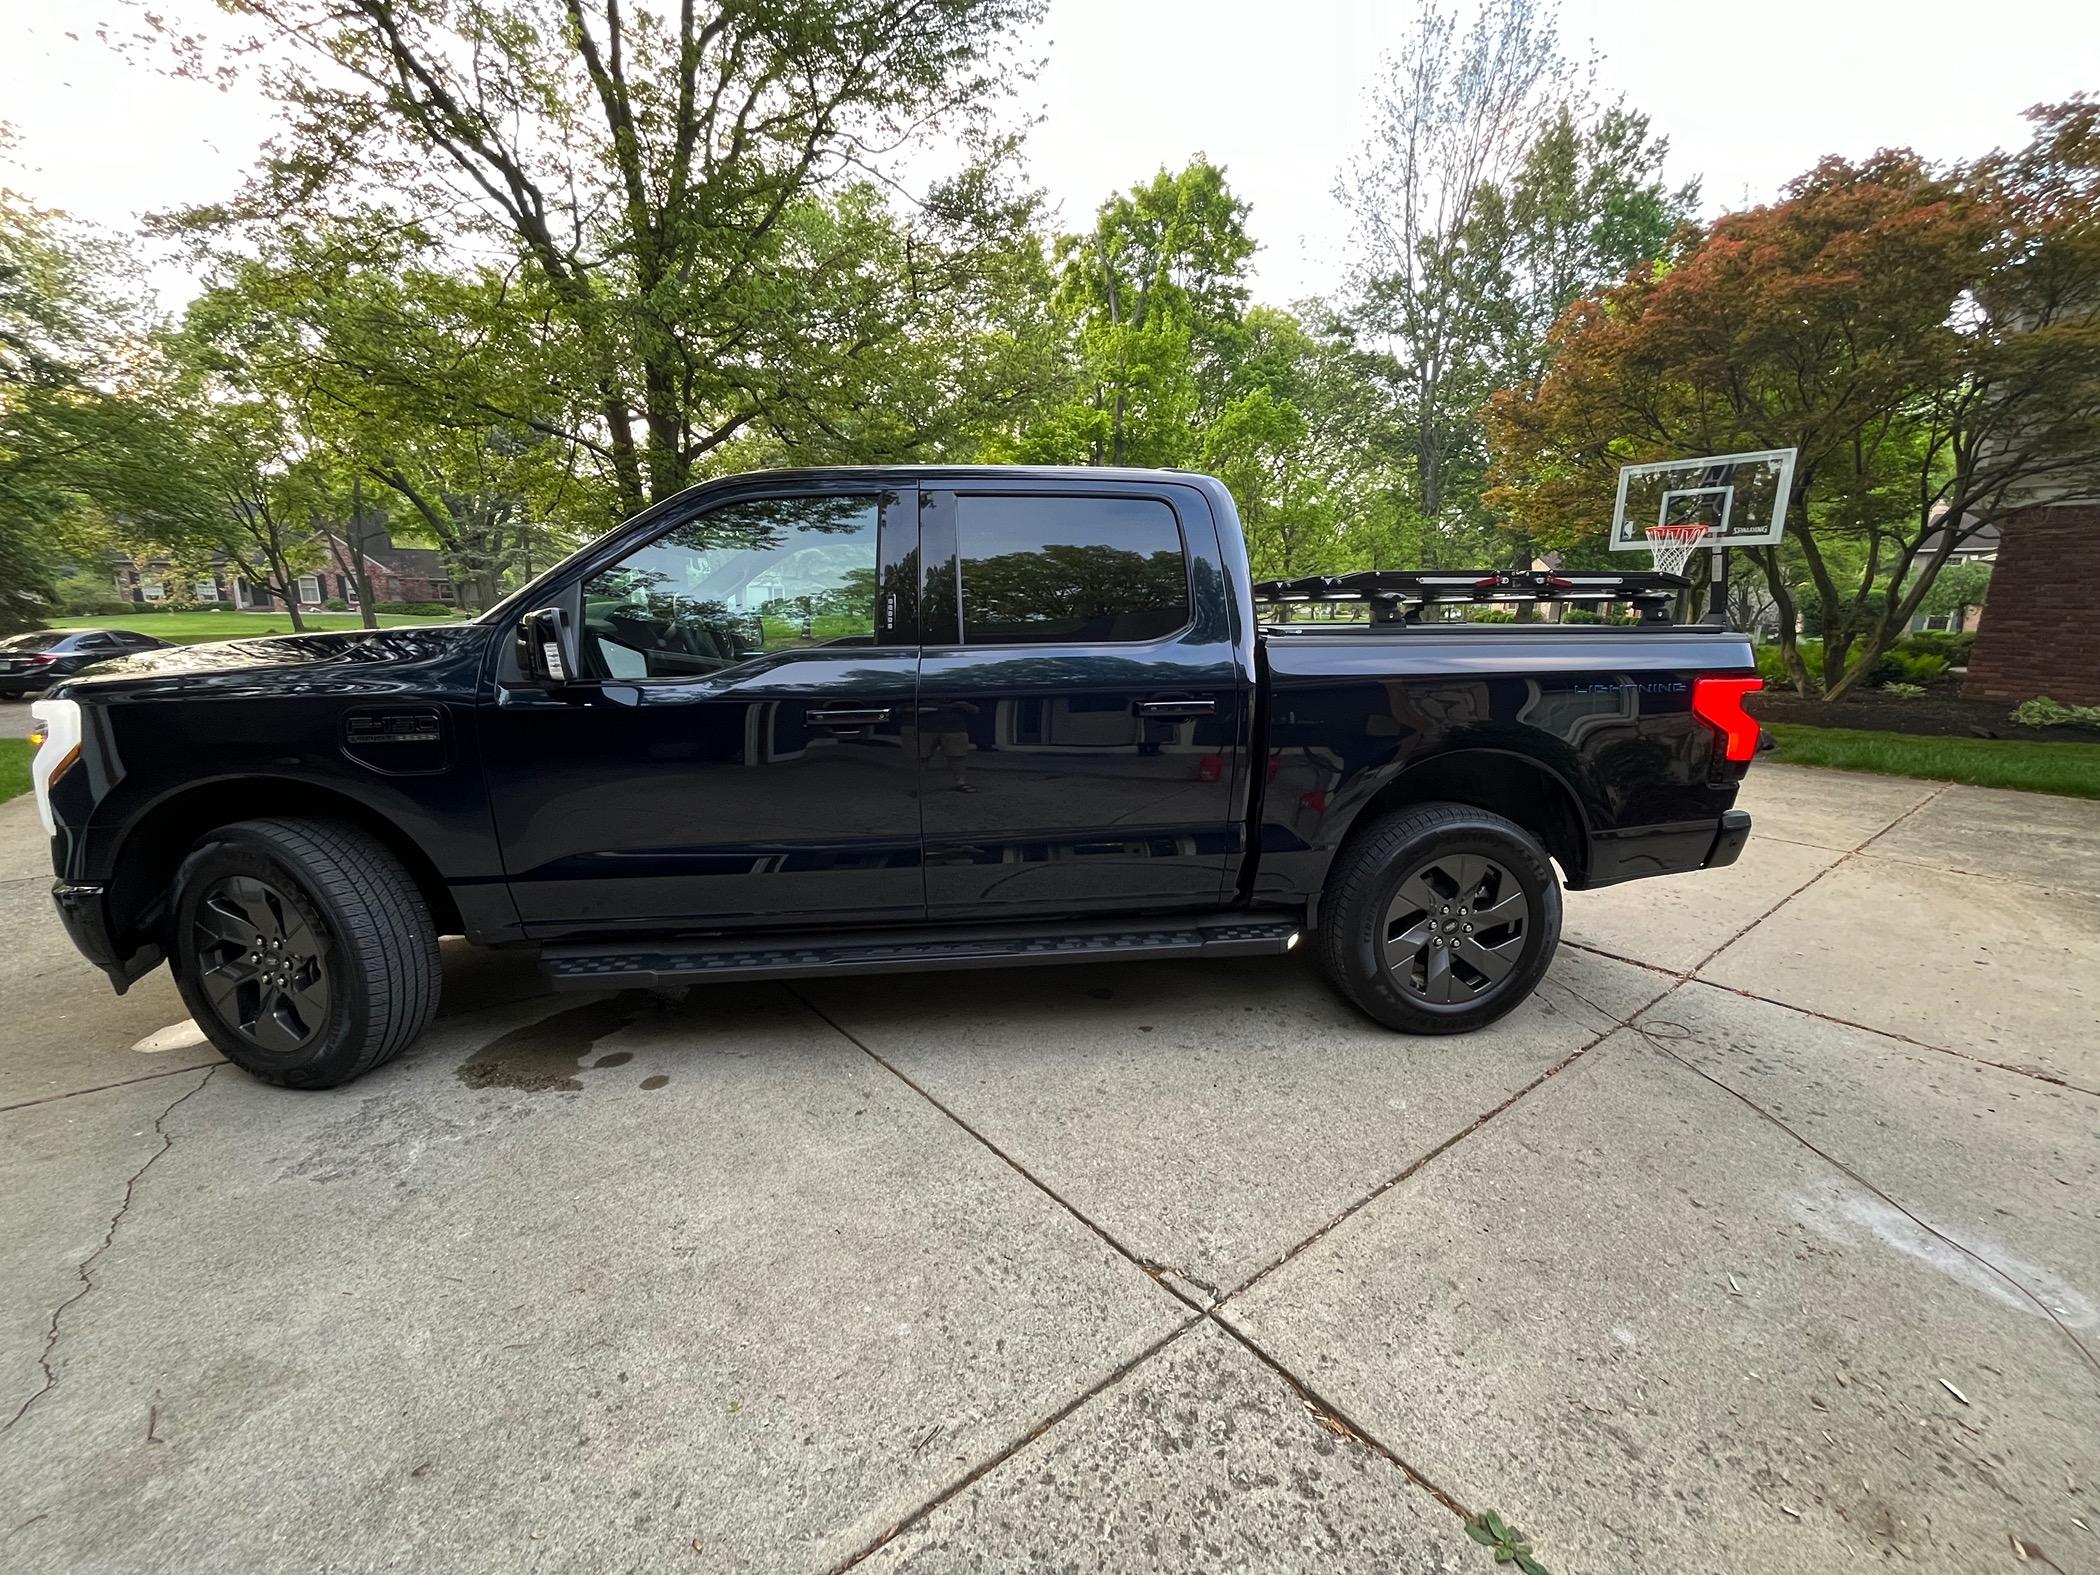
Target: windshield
{"x": 36, "y": 640}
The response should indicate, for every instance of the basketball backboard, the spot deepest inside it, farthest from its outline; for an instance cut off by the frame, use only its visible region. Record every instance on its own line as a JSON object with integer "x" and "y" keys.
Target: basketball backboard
{"x": 1739, "y": 498}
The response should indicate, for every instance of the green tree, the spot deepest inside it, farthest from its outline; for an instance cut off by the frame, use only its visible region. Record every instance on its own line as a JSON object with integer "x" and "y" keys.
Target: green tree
{"x": 1491, "y": 194}
{"x": 1929, "y": 340}
{"x": 1455, "y": 118}
{"x": 1306, "y": 442}
{"x": 68, "y": 363}
{"x": 662, "y": 180}
{"x": 1154, "y": 291}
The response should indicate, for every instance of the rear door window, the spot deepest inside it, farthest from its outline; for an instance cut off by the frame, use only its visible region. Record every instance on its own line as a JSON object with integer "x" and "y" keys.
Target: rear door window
{"x": 1070, "y": 570}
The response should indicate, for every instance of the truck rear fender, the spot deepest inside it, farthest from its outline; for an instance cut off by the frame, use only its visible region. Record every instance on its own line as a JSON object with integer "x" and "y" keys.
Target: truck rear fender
{"x": 1514, "y": 786}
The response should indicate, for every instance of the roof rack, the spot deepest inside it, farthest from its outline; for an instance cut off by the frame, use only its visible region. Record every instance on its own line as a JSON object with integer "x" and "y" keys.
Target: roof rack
{"x": 1399, "y": 595}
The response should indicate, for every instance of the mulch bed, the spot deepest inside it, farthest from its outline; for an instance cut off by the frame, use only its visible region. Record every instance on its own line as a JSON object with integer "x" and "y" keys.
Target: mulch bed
{"x": 1932, "y": 715}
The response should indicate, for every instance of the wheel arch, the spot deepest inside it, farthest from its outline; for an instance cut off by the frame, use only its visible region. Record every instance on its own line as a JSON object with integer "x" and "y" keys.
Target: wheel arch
{"x": 143, "y": 869}
{"x": 1517, "y": 787}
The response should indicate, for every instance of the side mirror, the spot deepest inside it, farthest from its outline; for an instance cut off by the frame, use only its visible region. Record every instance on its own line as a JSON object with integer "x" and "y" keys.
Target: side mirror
{"x": 549, "y": 646}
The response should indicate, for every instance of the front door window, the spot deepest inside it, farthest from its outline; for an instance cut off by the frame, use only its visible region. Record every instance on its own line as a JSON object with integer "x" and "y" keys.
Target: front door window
{"x": 738, "y": 584}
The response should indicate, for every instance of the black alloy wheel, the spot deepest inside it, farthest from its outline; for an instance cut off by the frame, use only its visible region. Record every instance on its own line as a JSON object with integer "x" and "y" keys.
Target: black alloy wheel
{"x": 1456, "y": 929}
{"x": 1439, "y": 918}
{"x": 261, "y": 964}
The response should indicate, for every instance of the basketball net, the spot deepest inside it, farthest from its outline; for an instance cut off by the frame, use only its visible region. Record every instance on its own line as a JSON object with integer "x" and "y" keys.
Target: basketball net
{"x": 1673, "y": 545}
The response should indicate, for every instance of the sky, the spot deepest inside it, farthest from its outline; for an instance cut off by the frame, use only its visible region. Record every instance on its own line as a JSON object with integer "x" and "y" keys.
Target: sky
{"x": 1749, "y": 96}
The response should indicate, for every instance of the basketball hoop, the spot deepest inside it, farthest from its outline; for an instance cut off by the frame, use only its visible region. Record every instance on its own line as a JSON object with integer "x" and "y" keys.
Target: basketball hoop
{"x": 1673, "y": 545}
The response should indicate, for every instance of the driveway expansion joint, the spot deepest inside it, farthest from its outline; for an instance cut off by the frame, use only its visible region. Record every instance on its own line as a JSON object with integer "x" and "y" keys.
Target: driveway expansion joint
{"x": 1323, "y": 1412}
{"x": 1661, "y": 1042}
{"x": 109, "y": 1236}
{"x": 1837, "y": 863}
{"x": 999, "y": 1457}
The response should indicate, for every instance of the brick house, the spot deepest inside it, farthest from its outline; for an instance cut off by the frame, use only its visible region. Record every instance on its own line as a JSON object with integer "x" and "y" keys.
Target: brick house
{"x": 2041, "y": 637}
{"x": 397, "y": 574}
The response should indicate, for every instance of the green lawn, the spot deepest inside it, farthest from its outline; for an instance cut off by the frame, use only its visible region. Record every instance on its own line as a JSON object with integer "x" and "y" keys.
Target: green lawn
{"x": 1981, "y": 762}
{"x": 14, "y": 767}
{"x": 199, "y": 628}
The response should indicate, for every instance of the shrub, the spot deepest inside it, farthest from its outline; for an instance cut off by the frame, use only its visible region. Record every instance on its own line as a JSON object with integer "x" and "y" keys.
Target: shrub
{"x": 1491, "y": 615}
{"x": 2044, "y": 712}
{"x": 1771, "y": 667}
{"x": 1903, "y": 691}
{"x": 336, "y": 604}
{"x": 414, "y": 609}
{"x": 1898, "y": 666}
{"x": 1938, "y": 642}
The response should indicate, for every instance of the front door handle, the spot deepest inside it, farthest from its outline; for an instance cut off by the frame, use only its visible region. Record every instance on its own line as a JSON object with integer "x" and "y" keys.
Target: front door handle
{"x": 1177, "y": 707}
{"x": 867, "y": 718}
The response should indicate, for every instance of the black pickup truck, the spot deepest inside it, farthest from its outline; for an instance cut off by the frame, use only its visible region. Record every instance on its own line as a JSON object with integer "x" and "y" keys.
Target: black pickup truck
{"x": 814, "y": 722}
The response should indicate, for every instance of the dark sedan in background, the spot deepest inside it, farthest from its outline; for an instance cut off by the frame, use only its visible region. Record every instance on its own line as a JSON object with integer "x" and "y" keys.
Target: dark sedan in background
{"x": 31, "y": 663}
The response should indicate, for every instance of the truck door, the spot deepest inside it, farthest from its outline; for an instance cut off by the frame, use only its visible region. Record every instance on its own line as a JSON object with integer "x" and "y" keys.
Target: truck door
{"x": 733, "y": 752}
{"x": 1081, "y": 710}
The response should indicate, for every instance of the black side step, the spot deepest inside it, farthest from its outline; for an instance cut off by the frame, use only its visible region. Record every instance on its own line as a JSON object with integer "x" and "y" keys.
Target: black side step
{"x": 606, "y": 964}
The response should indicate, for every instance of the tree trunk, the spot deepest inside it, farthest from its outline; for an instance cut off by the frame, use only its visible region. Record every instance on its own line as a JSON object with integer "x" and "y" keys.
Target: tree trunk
{"x": 1789, "y": 633}
{"x": 1115, "y": 327}
{"x": 359, "y": 534}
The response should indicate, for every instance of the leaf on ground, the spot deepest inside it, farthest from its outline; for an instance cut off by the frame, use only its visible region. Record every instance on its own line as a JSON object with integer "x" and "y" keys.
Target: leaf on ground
{"x": 1964, "y": 1399}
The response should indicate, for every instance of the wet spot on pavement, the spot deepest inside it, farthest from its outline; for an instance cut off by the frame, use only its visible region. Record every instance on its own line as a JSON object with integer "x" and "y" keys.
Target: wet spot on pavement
{"x": 616, "y": 1058}
{"x": 548, "y": 1054}
{"x": 657, "y": 1081}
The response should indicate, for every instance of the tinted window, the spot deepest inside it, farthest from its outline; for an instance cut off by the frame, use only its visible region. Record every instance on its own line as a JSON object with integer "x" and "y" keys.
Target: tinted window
{"x": 36, "y": 640}
{"x": 1070, "y": 569}
{"x": 96, "y": 642}
{"x": 735, "y": 584}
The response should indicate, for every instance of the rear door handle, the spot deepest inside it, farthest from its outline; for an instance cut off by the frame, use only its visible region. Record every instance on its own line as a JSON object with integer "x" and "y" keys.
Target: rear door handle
{"x": 850, "y": 718}
{"x": 1177, "y": 707}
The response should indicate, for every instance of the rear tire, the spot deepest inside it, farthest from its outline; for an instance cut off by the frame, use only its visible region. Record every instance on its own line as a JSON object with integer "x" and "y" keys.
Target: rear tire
{"x": 1440, "y": 918}
{"x": 303, "y": 950}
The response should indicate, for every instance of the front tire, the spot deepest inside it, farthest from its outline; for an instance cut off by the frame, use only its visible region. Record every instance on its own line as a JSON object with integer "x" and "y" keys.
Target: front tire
{"x": 1440, "y": 918}
{"x": 303, "y": 950}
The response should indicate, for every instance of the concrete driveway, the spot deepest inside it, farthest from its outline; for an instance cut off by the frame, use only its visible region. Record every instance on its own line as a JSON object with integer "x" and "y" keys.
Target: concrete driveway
{"x": 1763, "y": 1238}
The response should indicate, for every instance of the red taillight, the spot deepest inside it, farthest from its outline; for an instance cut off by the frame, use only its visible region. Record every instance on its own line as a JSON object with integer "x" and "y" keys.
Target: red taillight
{"x": 42, "y": 661}
{"x": 1718, "y": 702}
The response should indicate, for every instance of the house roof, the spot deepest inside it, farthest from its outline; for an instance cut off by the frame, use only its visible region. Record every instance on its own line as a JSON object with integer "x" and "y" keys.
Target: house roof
{"x": 1980, "y": 541}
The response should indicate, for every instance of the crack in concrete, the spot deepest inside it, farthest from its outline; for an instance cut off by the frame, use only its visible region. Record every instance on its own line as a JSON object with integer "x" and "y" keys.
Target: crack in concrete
{"x": 102, "y": 1088}
{"x": 109, "y": 1236}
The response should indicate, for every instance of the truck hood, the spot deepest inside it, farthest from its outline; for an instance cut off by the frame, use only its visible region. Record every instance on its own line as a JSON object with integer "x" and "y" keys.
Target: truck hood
{"x": 299, "y": 663}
